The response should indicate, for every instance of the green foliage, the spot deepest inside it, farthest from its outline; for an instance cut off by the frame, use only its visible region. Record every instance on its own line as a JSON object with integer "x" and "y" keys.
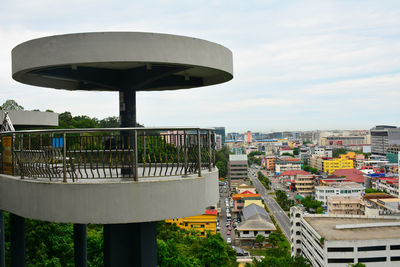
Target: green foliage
{"x": 179, "y": 247}
{"x": 260, "y": 239}
{"x": 311, "y": 204}
{"x": 296, "y": 151}
{"x": 51, "y": 244}
{"x": 308, "y": 168}
{"x": 320, "y": 210}
{"x": 222, "y": 158}
{"x": 373, "y": 190}
{"x": 279, "y": 254}
{"x": 11, "y": 105}
{"x": 287, "y": 154}
{"x": 338, "y": 151}
{"x": 252, "y": 159}
{"x": 283, "y": 200}
{"x": 109, "y": 122}
{"x": 264, "y": 180}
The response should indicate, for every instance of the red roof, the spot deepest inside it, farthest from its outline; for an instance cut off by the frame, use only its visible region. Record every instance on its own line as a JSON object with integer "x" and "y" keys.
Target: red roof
{"x": 211, "y": 212}
{"x": 352, "y": 175}
{"x": 247, "y": 192}
{"x": 294, "y": 173}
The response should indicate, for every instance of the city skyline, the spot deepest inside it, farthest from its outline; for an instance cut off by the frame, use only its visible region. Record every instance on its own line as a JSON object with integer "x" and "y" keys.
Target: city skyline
{"x": 297, "y": 66}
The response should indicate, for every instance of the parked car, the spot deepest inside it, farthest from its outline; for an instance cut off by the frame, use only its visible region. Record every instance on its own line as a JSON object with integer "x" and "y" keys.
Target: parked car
{"x": 228, "y": 233}
{"x": 229, "y": 228}
{"x": 228, "y": 240}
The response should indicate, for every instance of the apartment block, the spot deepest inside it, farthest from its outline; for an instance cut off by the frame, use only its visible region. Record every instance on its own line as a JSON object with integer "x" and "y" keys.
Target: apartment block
{"x": 340, "y": 240}
{"x": 305, "y": 184}
{"x": 237, "y": 169}
{"x": 337, "y": 164}
{"x": 287, "y": 164}
{"x": 322, "y": 193}
{"x": 346, "y": 205}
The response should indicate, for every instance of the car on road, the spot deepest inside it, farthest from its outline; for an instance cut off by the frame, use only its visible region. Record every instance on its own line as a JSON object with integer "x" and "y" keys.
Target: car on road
{"x": 229, "y": 228}
{"x": 228, "y": 233}
{"x": 227, "y": 224}
{"x": 228, "y": 240}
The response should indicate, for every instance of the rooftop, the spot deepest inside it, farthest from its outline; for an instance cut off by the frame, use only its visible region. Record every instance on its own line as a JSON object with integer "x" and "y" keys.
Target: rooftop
{"x": 295, "y": 172}
{"x": 353, "y": 175}
{"x": 238, "y": 157}
{"x": 326, "y": 227}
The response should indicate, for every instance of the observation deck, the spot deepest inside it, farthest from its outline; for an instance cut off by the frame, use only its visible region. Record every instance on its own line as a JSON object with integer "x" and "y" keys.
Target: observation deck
{"x": 108, "y": 175}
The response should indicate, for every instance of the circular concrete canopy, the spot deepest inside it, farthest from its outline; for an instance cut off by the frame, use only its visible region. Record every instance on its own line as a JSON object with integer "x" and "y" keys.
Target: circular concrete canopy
{"x": 113, "y": 61}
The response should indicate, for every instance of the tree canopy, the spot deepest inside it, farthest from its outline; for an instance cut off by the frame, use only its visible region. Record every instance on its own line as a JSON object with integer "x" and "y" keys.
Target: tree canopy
{"x": 11, "y": 105}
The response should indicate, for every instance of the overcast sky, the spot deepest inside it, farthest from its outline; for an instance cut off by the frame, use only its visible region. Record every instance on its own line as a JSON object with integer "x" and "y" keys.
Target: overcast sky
{"x": 298, "y": 65}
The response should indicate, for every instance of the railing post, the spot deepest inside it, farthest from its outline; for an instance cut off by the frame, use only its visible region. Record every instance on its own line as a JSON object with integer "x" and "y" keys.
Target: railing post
{"x": 209, "y": 152}
{"x": 64, "y": 158}
{"x": 135, "y": 156}
{"x": 185, "y": 148}
{"x": 199, "y": 150}
{"x": 21, "y": 152}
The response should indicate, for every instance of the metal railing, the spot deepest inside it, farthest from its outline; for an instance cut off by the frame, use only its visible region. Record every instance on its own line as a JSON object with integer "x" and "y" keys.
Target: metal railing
{"x": 96, "y": 153}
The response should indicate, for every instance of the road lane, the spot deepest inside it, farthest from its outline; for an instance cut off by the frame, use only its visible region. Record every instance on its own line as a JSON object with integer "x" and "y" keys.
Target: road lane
{"x": 280, "y": 215}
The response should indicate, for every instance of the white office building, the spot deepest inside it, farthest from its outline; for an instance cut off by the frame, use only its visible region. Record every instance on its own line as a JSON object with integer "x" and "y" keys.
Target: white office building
{"x": 346, "y": 239}
{"x": 344, "y": 189}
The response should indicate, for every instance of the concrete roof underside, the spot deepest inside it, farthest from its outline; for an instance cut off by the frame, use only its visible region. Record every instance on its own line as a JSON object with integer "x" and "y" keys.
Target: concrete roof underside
{"x": 326, "y": 227}
{"x": 114, "y": 61}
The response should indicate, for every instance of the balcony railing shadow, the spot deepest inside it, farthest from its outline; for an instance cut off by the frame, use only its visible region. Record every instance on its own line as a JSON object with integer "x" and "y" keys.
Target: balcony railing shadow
{"x": 106, "y": 153}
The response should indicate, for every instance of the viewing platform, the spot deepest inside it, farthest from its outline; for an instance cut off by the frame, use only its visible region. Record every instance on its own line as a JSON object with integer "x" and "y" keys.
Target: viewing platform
{"x": 108, "y": 175}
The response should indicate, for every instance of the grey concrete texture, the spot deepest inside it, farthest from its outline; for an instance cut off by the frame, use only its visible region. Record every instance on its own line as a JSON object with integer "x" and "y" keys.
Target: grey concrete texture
{"x": 109, "y": 202}
{"x": 31, "y": 118}
{"x": 211, "y": 62}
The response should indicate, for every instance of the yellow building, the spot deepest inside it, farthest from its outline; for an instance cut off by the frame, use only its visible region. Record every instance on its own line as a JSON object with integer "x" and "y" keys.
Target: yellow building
{"x": 349, "y": 155}
{"x": 202, "y": 223}
{"x": 337, "y": 164}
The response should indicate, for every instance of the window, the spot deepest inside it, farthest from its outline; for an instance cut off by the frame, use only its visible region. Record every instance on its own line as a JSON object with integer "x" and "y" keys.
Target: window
{"x": 341, "y": 260}
{"x": 397, "y": 258}
{"x": 372, "y": 248}
{"x": 186, "y": 224}
{"x": 245, "y": 232}
{"x": 395, "y": 247}
{"x": 298, "y": 241}
{"x": 297, "y": 233}
{"x": 297, "y": 224}
{"x": 341, "y": 249}
{"x": 202, "y": 233}
{"x": 375, "y": 259}
{"x": 255, "y": 233}
{"x": 202, "y": 226}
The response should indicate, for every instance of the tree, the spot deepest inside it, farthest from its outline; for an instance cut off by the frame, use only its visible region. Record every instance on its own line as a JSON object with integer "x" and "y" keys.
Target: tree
{"x": 311, "y": 204}
{"x": 296, "y": 151}
{"x": 260, "y": 240}
{"x": 11, "y": 105}
{"x": 222, "y": 170}
{"x": 288, "y": 154}
{"x": 109, "y": 122}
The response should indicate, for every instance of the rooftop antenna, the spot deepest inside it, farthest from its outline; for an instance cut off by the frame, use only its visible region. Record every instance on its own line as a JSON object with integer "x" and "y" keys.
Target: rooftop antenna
{"x": 7, "y": 125}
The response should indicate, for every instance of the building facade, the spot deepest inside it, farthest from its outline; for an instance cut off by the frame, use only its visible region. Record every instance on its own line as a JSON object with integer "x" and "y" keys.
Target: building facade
{"x": 237, "y": 169}
{"x": 347, "y": 239}
{"x": 323, "y": 193}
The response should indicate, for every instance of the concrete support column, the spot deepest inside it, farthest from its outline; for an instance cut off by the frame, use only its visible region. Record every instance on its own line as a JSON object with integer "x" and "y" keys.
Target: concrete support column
{"x": 2, "y": 241}
{"x": 127, "y": 108}
{"x": 80, "y": 245}
{"x": 132, "y": 244}
{"x": 17, "y": 225}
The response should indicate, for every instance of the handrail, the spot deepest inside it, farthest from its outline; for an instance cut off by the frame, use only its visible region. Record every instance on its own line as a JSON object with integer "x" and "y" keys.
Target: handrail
{"x": 95, "y": 153}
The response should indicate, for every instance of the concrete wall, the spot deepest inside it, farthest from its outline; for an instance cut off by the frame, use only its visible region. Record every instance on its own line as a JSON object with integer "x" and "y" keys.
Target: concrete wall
{"x": 109, "y": 202}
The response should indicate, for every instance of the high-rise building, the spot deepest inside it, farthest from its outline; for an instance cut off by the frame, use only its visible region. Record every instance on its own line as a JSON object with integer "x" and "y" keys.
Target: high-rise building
{"x": 382, "y": 136}
{"x": 237, "y": 169}
{"x": 221, "y": 131}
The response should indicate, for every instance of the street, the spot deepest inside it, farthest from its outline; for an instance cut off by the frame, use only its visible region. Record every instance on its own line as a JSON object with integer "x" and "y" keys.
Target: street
{"x": 280, "y": 215}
